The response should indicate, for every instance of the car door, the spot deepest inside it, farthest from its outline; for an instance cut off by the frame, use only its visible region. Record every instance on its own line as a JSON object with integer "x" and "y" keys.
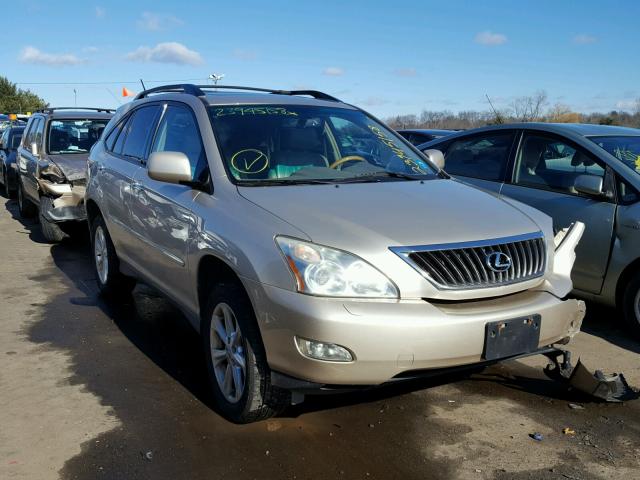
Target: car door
{"x": 544, "y": 172}
{"x": 480, "y": 159}
{"x": 161, "y": 212}
{"x": 29, "y": 161}
{"x": 125, "y": 147}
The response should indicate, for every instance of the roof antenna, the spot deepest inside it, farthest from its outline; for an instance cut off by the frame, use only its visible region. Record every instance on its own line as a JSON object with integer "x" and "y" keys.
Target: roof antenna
{"x": 495, "y": 112}
{"x": 143, "y": 87}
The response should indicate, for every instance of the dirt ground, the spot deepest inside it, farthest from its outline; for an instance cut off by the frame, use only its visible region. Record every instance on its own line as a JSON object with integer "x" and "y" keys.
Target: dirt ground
{"x": 98, "y": 390}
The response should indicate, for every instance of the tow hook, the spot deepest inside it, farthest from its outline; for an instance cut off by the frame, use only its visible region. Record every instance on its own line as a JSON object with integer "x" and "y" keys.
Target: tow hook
{"x": 608, "y": 387}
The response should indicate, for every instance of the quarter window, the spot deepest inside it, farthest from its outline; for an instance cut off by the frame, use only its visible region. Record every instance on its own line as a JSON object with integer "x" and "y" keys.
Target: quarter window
{"x": 178, "y": 132}
{"x": 548, "y": 163}
{"x": 140, "y": 128}
{"x": 121, "y": 136}
{"x": 483, "y": 156}
{"x": 113, "y": 135}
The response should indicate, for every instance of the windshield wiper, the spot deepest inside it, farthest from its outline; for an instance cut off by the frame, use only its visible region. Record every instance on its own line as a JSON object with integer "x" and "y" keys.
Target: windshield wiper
{"x": 375, "y": 176}
{"x": 283, "y": 181}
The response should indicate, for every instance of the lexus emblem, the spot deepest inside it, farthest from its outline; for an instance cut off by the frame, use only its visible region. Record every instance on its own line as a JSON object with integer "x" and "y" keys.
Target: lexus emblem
{"x": 498, "y": 262}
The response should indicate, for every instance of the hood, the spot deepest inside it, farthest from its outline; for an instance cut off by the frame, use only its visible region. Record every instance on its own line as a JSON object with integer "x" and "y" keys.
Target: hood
{"x": 74, "y": 166}
{"x": 370, "y": 216}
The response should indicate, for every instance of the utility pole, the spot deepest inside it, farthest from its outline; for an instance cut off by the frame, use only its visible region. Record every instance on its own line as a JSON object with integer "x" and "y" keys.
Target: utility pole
{"x": 75, "y": 98}
{"x": 215, "y": 77}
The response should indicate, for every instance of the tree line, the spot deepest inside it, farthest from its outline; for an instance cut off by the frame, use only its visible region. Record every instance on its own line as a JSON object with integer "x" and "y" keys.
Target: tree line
{"x": 532, "y": 108}
{"x": 17, "y": 100}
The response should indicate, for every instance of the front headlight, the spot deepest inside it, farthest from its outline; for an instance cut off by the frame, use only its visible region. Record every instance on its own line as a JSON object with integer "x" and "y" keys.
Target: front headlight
{"x": 329, "y": 272}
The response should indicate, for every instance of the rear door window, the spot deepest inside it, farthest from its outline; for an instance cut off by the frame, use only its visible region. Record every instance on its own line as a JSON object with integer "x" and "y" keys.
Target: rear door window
{"x": 140, "y": 128}
{"x": 483, "y": 156}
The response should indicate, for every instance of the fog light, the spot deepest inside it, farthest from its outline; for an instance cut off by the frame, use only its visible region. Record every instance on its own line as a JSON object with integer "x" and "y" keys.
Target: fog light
{"x": 323, "y": 351}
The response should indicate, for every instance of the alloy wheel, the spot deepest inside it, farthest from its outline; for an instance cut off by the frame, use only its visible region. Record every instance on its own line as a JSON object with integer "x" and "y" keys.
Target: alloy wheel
{"x": 228, "y": 353}
{"x": 100, "y": 254}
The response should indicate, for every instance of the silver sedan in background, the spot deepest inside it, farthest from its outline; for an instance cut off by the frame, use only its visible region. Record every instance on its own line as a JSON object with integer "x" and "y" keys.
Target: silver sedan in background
{"x": 572, "y": 172}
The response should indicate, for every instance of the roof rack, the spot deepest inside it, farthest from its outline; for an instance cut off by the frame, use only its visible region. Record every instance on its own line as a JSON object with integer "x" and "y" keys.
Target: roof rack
{"x": 179, "y": 88}
{"x": 53, "y": 109}
{"x": 197, "y": 90}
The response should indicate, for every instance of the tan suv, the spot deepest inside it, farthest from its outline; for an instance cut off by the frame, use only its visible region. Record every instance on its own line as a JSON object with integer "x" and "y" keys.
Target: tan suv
{"x": 313, "y": 248}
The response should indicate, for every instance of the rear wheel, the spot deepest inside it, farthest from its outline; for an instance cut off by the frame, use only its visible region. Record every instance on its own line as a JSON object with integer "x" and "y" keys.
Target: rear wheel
{"x": 51, "y": 231}
{"x": 7, "y": 190}
{"x": 25, "y": 207}
{"x": 631, "y": 304}
{"x": 238, "y": 372}
{"x": 106, "y": 263}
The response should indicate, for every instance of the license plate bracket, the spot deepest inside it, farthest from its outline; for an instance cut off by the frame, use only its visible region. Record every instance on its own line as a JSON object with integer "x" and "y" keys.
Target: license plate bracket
{"x": 506, "y": 338}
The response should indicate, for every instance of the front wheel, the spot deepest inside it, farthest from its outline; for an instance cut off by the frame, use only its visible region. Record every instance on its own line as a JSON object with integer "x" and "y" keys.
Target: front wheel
{"x": 51, "y": 231}
{"x": 106, "y": 263}
{"x": 236, "y": 362}
{"x": 631, "y": 304}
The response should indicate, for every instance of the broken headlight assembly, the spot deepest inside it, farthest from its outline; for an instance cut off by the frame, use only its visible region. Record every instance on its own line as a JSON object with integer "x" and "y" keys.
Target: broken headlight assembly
{"x": 52, "y": 173}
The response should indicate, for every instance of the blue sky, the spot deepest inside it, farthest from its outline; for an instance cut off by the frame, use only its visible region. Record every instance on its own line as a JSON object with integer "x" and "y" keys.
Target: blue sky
{"x": 387, "y": 57}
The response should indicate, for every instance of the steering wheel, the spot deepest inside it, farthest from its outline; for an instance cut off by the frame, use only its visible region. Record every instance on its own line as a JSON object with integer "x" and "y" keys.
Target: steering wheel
{"x": 348, "y": 158}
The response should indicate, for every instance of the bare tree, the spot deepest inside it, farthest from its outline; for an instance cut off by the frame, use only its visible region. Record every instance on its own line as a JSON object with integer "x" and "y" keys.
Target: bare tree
{"x": 529, "y": 108}
{"x": 523, "y": 109}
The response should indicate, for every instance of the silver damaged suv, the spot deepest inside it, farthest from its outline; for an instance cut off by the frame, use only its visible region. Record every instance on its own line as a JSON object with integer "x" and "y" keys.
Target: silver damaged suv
{"x": 313, "y": 248}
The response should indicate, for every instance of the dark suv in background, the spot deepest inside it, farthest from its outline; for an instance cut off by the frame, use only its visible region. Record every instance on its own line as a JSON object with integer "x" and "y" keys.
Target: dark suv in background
{"x": 52, "y": 166}
{"x": 9, "y": 142}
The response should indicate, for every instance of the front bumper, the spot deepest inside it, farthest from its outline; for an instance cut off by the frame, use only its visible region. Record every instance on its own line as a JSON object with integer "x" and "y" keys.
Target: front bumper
{"x": 68, "y": 202}
{"x": 390, "y": 338}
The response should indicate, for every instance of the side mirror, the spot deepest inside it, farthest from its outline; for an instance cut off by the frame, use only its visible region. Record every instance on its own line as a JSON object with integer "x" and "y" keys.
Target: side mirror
{"x": 169, "y": 167}
{"x": 435, "y": 156}
{"x": 15, "y": 142}
{"x": 589, "y": 184}
{"x": 34, "y": 149}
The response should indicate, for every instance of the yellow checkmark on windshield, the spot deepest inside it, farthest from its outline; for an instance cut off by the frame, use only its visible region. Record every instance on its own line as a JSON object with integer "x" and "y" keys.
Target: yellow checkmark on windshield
{"x": 247, "y": 166}
{"x": 254, "y": 160}
{"x": 638, "y": 163}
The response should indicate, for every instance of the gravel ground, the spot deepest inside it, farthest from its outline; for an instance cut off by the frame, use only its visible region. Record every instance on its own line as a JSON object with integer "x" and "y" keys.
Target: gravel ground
{"x": 91, "y": 389}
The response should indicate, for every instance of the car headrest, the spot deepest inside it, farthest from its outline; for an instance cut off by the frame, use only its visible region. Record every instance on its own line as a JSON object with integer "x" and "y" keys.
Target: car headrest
{"x": 532, "y": 151}
{"x": 300, "y": 139}
{"x": 580, "y": 158}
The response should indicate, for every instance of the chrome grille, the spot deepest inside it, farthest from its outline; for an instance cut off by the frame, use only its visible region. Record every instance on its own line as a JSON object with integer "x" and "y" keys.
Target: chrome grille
{"x": 462, "y": 266}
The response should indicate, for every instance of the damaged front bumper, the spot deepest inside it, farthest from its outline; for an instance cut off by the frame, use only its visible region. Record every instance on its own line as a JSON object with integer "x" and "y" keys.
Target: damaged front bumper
{"x": 608, "y": 387}
{"x": 68, "y": 201}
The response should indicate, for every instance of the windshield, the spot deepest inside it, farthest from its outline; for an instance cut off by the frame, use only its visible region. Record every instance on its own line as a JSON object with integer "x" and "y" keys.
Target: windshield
{"x": 625, "y": 148}
{"x": 287, "y": 144}
{"x": 74, "y": 136}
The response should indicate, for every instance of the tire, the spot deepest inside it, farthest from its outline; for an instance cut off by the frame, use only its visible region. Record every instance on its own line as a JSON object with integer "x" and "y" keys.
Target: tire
{"x": 51, "y": 231}
{"x": 106, "y": 263}
{"x": 7, "y": 190}
{"x": 5, "y": 186}
{"x": 631, "y": 304}
{"x": 229, "y": 313}
{"x": 26, "y": 209}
